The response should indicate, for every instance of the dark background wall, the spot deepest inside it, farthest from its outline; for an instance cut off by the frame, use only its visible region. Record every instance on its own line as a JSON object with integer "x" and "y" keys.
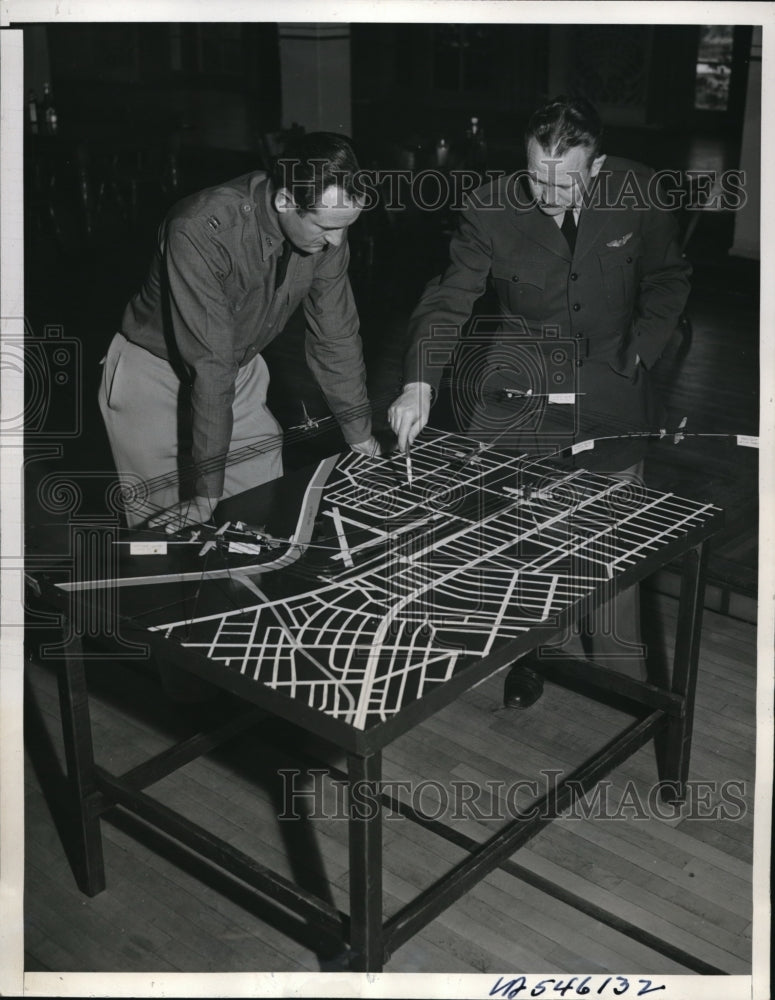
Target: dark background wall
{"x": 410, "y": 83}
{"x": 215, "y": 100}
{"x": 419, "y": 82}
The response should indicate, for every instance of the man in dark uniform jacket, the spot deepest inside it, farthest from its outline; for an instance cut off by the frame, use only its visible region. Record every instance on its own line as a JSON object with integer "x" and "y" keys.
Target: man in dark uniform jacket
{"x": 590, "y": 283}
{"x": 183, "y": 392}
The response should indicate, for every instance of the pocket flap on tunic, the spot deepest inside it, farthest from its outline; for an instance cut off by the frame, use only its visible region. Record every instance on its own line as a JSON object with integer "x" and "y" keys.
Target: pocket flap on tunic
{"x": 520, "y": 272}
{"x": 618, "y": 256}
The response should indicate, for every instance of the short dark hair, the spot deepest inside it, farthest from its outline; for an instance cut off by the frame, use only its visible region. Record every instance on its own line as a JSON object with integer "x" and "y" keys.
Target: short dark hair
{"x": 313, "y": 162}
{"x": 565, "y": 122}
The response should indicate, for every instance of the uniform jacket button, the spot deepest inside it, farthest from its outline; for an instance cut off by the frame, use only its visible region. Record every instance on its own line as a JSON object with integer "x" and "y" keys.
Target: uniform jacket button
{"x": 515, "y": 277}
{"x": 573, "y": 276}
{"x": 576, "y": 307}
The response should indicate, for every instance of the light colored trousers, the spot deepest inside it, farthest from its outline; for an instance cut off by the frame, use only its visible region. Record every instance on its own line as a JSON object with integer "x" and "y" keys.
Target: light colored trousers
{"x": 143, "y": 405}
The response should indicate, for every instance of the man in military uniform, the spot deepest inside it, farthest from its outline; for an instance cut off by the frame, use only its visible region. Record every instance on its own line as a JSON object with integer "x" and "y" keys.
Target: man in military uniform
{"x": 183, "y": 391}
{"x": 589, "y": 279}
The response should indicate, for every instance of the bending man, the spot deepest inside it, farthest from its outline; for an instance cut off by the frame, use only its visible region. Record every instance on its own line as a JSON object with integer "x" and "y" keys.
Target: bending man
{"x": 183, "y": 392}
{"x": 590, "y": 284}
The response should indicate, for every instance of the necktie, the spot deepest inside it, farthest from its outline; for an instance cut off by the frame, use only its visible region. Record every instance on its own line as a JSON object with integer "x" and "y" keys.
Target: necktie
{"x": 568, "y": 229}
{"x": 282, "y": 265}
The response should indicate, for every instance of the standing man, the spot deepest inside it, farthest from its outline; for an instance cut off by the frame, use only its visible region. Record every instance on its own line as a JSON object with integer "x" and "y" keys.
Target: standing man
{"x": 590, "y": 284}
{"x": 183, "y": 391}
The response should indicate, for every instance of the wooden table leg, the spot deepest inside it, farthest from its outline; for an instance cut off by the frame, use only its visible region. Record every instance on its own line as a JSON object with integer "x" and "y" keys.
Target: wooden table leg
{"x": 365, "y": 829}
{"x": 79, "y": 754}
{"x": 674, "y": 745}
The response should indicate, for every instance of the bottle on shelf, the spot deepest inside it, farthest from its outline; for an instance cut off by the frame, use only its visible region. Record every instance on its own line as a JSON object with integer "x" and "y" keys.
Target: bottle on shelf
{"x": 48, "y": 109}
{"x": 476, "y": 146}
{"x": 32, "y": 110}
{"x": 442, "y": 153}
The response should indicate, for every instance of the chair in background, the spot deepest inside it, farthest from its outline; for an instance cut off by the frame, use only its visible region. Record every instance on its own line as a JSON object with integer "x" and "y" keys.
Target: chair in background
{"x": 140, "y": 170}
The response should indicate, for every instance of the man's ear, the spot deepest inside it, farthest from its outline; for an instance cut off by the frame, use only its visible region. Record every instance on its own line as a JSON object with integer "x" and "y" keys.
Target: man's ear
{"x": 283, "y": 200}
{"x": 597, "y": 163}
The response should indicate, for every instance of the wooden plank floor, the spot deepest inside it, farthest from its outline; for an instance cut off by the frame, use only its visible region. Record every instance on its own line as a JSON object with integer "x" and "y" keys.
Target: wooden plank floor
{"x": 685, "y": 879}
